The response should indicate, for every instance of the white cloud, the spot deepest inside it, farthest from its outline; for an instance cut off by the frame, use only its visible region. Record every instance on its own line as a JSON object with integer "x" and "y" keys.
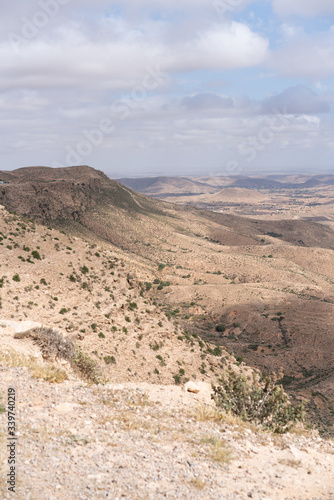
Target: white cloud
{"x": 291, "y": 30}
{"x": 121, "y": 58}
{"x": 233, "y": 45}
{"x": 307, "y": 57}
{"x": 303, "y": 7}
{"x": 296, "y": 100}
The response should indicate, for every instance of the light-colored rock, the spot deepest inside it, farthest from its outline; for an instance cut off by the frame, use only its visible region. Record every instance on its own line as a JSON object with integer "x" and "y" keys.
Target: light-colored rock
{"x": 66, "y": 407}
{"x": 191, "y": 387}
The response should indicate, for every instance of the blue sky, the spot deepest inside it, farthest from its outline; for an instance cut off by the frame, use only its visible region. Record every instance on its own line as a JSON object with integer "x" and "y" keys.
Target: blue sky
{"x": 218, "y": 87}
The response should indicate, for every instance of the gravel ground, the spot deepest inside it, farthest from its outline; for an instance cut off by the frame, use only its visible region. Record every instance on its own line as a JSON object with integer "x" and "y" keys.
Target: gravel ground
{"x": 142, "y": 441}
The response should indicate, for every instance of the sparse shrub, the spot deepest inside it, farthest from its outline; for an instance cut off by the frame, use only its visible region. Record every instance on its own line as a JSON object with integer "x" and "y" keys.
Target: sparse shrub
{"x": 156, "y": 281}
{"x": 51, "y": 342}
{"x": 93, "y": 326}
{"x": 109, "y": 360}
{"x": 155, "y": 346}
{"x": 63, "y": 310}
{"x": 148, "y": 286}
{"x": 156, "y": 371}
{"x": 72, "y": 278}
{"x": 202, "y": 369}
{"x": 127, "y": 319}
{"x": 133, "y": 306}
{"x": 101, "y": 335}
{"x": 177, "y": 379}
{"x": 160, "y": 287}
{"x": 16, "y": 278}
{"x": 26, "y": 249}
{"x": 86, "y": 366}
{"x": 43, "y": 281}
{"x": 84, "y": 269}
{"x": 220, "y": 328}
{"x": 36, "y": 255}
{"x": 263, "y": 402}
{"x": 217, "y": 351}
{"x": 125, "y": 330}
{"x": 161, "y": 267}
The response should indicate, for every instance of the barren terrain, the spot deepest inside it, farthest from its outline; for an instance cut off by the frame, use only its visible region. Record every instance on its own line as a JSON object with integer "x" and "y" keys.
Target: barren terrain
{"x": 154, "y": 295}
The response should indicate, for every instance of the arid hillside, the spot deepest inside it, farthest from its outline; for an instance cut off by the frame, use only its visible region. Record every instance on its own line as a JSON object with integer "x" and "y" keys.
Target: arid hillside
{"x": 267, "y": 286}
{"x": 92, "y": 294}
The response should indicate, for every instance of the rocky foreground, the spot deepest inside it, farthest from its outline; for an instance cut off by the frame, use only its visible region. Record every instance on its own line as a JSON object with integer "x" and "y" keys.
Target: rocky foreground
{"x": 145, "y": 441}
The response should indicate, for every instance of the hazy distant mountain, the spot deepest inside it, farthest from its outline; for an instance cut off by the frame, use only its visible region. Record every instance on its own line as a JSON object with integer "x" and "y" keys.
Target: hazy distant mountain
{"x": 166, "y": 185}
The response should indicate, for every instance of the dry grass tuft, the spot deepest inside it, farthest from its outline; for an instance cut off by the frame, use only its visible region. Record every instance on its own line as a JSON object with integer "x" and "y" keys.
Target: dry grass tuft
{"x": 219, "y": 452}
{"x": 197, "y": 483}
{"x": 206, "y": 413}
{"x": 47, "y": 372}
{"x": 291, "y": 463}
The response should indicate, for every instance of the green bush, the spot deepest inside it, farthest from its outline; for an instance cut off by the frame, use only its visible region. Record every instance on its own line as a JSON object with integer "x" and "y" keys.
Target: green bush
{"x": 101, "y": 335}
{"x": 86, "y": 366}
{"x": 16, "y": 277}
{"x": 84, "y": 269}
{"x": 220, "y": 328}
{"x": 263, "y": 402}
{"x": 109, "y": 360}
{"x": 2, "y": 408}
{"x": 36, "y": 255}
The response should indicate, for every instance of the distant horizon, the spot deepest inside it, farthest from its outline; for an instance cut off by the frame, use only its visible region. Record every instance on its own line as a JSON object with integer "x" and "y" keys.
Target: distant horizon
{"x": 255, "y": 173}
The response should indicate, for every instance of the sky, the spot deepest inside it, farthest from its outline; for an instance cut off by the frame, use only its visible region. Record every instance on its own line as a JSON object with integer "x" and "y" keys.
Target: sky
{"x": 177, "y": 87}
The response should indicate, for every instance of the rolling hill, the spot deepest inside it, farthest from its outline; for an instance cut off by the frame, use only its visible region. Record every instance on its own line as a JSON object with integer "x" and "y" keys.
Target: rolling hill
{"x": 208, "y": 269}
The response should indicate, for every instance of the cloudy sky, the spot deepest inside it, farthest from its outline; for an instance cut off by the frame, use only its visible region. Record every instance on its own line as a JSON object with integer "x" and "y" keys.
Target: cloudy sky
{"x": 141, "y": 87}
